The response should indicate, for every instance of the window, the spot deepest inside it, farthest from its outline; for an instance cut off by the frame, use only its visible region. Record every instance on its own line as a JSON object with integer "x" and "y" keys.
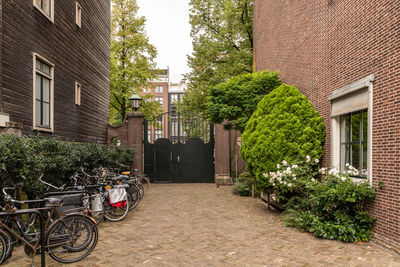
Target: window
{"x": 78, "y": 19}
{"x": 77, "y": 94}
{"x": 354, "y": 141}
{"x": 351, "y": 113}
{"x": 43, "y": 94}
{"x": 159, "y": 100}
{"x": 159, "y": 89}
{"x": 174, "y": 98}
{"x": 158, "y": 134}
{"x": 46, "y": 7}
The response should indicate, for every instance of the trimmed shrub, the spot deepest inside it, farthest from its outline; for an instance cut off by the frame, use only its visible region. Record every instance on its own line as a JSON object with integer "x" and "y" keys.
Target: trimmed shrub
{"x": 243, "y": 185}
{"x": 284, "y": 126}
{"x": 235, "y": 101}
{"x": 24, "y": 159}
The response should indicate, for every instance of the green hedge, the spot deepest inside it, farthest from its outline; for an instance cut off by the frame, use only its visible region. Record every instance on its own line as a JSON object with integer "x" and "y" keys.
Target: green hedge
{"x": 24, "y": 159}
{"x": 284, "y": 126}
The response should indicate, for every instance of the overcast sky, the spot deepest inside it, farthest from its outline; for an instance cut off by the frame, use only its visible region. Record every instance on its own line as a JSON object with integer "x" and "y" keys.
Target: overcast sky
{"x": 168, "y": 29}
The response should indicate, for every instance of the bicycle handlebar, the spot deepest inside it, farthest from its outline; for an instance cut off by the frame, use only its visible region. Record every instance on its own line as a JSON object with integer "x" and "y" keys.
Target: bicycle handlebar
{"x": 50, "y": 185}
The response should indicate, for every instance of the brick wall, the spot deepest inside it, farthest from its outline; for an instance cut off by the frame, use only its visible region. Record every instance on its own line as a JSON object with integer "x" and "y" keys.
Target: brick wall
{"x": 131, "y": 134}
{"x": 320, "y": 46}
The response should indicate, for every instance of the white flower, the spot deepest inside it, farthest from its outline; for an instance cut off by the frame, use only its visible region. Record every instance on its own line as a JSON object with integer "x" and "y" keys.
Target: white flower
{"x": 279, "y": 174}
{"x": 322, "y": 170}
{"x": 284, "y": 182}
{"x": 294, "y": 175}
{"x": 312, "y": 180}
{"x": 289, "y": 185}
{"x": 308, "y": 158}
{"x": 265, "y": 175}
{"x": 288, "y": 171}
{"x": 295, "y": 166}
{"x": 294, "y": 179}
{"x": 273, "y": 184}
{"x": 278, "y": 166}
{"x": 347, "y": 164}
{"x": 284, "y": 162}
{"x": 316, "y": 160}
{"x": 273, "y": 197}
{"x": 343, "y": 178}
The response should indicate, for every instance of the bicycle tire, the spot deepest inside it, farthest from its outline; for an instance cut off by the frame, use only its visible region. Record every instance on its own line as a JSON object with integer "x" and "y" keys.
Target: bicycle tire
{"x": 10, "y": 240}
{"x": 135, "y": 197}
{"x": 67, "y": 231}
{"x": 141, "y": 189}
{"x": 115, "y": 214}
{"x": 145, "y": 183}
{"x": 3, "y": 246}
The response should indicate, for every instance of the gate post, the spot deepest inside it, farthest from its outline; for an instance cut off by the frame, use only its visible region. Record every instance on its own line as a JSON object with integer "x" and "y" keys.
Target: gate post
{"x": 222, "y": 153}
{"x": 135, "y": 137}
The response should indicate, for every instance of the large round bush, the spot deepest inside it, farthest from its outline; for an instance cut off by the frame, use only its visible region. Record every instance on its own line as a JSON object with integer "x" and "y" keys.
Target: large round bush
{"x": 285, "y": 126}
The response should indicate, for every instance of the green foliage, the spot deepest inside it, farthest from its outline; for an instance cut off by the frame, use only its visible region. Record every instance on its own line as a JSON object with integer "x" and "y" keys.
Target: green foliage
{"x": 24, "y": 159}
{"x": 243, "y": 185}
{"x": 132, "y": 57}
{"x": 284, "y": 126}
{"x": 222, "y": 34}
{"x": 236, "y": 100}
{"x": 332, "y": 207}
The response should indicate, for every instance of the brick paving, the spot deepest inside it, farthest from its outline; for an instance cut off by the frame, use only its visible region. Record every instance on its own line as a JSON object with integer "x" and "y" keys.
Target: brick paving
{"x": 201, "y": 225}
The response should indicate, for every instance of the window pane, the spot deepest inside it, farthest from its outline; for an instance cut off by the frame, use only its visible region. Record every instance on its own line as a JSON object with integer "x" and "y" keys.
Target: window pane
{"x": 46, "y": 7}
{"x": 345, "y": 128}
{"x": 46, "y": 90}
{"x": 355, "y": 127}
{"x": 46, "y": 69}
{"x": 364, "y": 170}
{"x": 38, "y": 86}
{"x": 365, "y": 125}
{"x": 46, "y": 114}
{"x": 38, "y": 113}
{"x": 355, "y": 156}
{"x": 38, "y": 64}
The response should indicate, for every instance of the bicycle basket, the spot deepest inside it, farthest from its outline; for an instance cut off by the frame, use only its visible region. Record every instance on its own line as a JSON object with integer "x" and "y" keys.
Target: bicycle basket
{"x": 117, "y": 195}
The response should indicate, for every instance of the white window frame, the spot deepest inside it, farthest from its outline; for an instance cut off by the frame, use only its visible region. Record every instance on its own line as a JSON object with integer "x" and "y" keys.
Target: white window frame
{"x": 78, "y": 93}
{"x": 51, "y": 77}
{"x": 366, "y": 82}
{"x": 159, "y": 89}
{"x": 78, "y": 15}
{"x": 49, "y": 17}
{"x": 159, "y": 100}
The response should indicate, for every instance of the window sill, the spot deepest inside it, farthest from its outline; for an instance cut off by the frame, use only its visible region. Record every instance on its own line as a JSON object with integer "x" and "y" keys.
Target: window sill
{"x": 44, "y": 14}
{"x": 43, "y": 129}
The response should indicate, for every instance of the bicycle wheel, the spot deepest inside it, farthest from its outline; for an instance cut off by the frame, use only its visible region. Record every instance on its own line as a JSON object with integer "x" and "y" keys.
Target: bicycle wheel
{"x": 141, "y": 189}
{"x": 145, "y": 181}
{"x": 117, "y": 211}
{"x": 3, "y": 246}
{"x": 134, "y": 197}
{"x": 10, "y": 240}
{"x": 71, "y": 238}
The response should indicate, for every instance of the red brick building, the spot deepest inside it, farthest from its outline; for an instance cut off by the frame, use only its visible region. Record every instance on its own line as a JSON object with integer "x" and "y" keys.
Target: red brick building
{"x": 345, "y": 57}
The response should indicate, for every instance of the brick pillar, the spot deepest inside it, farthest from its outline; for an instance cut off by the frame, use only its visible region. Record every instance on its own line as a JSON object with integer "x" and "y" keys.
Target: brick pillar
{"x": 221, "y": 151}
{"x": 135, "y": 137}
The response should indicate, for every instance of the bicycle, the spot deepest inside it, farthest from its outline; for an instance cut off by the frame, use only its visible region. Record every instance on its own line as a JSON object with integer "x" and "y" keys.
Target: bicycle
{"x": 68, "y": 239}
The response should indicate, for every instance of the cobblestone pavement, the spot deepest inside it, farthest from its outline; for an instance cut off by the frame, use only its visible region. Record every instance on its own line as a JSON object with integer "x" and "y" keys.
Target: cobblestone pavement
{"x": 201, "y": 225}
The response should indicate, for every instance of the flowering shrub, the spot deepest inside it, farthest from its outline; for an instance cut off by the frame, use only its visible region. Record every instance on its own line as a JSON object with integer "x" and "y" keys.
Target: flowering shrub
{"x": 332, "y": 207}
{"x": 284, "y": 126}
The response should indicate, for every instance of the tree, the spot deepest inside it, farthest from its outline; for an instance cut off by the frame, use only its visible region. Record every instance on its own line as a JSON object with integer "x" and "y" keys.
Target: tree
{"x": 234, "y": 101}
{"x": 132, "y": 57}
{"x": 222, "y": 34}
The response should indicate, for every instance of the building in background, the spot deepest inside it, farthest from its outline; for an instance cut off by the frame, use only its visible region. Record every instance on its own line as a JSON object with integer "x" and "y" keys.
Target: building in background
{"x": 55, "y": 68}
{"x": 343, "y": 55}
{"x": 175, "y": 127}
{"x": 159, "y": 89}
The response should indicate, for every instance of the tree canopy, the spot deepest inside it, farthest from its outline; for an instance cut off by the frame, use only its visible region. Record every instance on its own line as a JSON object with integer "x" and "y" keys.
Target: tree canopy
{"x": 132, "y": 57}
{"x": 234, "y": 101}
{"x": 222, "y": 34}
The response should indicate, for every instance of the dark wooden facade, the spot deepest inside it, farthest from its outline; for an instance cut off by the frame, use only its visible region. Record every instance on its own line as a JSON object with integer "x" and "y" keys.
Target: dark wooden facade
{"x": 80, "y": 54}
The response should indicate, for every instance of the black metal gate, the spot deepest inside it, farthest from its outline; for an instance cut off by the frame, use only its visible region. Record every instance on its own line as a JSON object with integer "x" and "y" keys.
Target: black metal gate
{"x": 179, "y": 148}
